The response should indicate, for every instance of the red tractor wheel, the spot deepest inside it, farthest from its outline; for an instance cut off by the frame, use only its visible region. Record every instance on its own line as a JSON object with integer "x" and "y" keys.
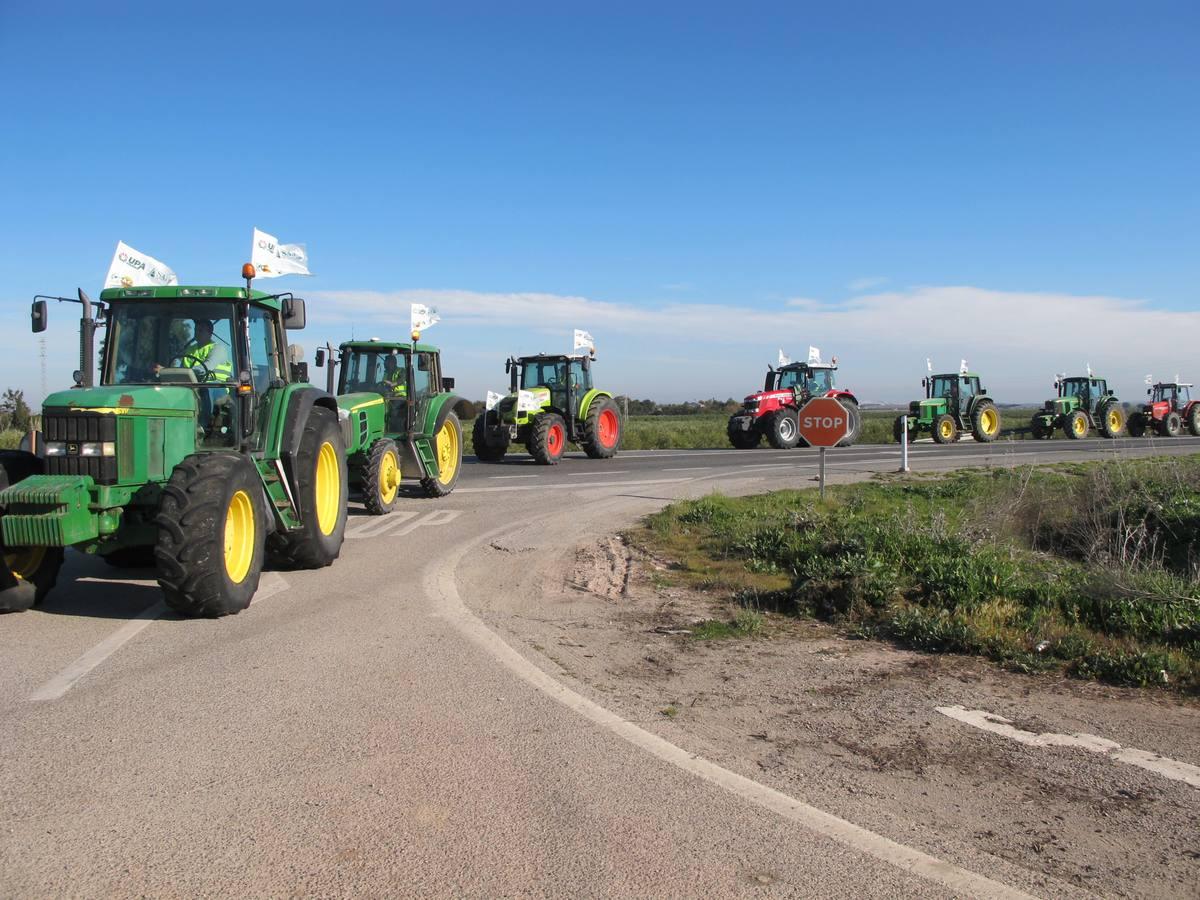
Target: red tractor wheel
{"x": 548, "y": 439}
{"x": 1170, "y": 425}
{"x": 601, "y": 429}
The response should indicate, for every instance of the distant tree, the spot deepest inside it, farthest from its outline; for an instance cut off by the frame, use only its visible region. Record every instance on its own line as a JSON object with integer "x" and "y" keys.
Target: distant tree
{"x": 14, "y": 411}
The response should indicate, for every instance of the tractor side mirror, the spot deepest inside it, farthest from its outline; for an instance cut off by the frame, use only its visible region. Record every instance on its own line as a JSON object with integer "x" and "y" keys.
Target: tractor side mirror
{"x": 447, "y": 384}
{"x": 508, "y": 365}
{"x": 924, "y": 382}
{"x": 1149, "y": 391}
{"x": 77, "y": 377}
{"x": 319, "y": 358}
{"x": 293, "y": 313}
{"x": 39, "y": 316}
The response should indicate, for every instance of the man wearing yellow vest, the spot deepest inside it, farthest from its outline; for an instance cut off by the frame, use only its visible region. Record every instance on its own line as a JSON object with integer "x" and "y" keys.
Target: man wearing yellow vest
{"x": 395, "y": 388}
{"x": 206, "y": 354}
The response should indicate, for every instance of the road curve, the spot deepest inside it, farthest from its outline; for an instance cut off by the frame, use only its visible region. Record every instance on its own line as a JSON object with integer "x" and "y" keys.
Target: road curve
{"x": 363, "y": 729}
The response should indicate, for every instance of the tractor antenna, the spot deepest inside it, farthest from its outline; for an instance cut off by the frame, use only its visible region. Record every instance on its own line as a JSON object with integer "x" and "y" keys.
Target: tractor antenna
{"x": 42, "y": 354}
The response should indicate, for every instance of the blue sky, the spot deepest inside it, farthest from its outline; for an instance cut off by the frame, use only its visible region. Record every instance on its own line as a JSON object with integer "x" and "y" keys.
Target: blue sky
{"x": 695, "y": 184}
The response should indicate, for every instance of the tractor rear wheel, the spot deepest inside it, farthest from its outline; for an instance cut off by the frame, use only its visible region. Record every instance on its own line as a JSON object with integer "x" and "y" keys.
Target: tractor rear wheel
{"x": 447, "y": 452}
{"x": 601, "y": 429}
{"x": 782, "y": 431}
{"x": 1171, "y": 425}
{"x": 547, "y": 439}
{"x": 485, "y": 449}
{"x": 211, "y": 528}
{"x": 743, "y": 440}
{"x": 1137, "y": 425}
{"x": 1112, "y": 420}
{"x": 320, "y": 473}
{"x": 945, "y": 429}
{"x": 985, "y": 423}
{"x": 856, "y": 422}
{"x": 1075, "y": 425}
{"x": 1193, "y": 420}
{"x": 381, "y": 477}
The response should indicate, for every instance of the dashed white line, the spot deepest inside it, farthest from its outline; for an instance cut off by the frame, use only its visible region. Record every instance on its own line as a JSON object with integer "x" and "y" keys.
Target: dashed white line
{"x": 1152, "y": 762}
{"x": 502, "y": 477}
{"x": 568, "y": 486}
{"x": 691, "y": 469}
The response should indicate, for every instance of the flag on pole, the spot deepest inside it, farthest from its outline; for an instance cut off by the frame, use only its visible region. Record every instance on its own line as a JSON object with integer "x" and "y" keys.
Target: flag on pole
{"x": 584, "y": 341}
{"x": 814, "y": 356}
{"x": 527, "y": 401}
{"x": 929, "y": 365}
{"x": 492, "y": 399}
{"x": 784, "y": 359}
{"x": 272, "y": 259}
{"x": 962, "y": 367}
{"x": 131, "y": 268}
{"x": 423, "y": 317}
{"x": 1089, "y": 370}
{"x": 1150, "y": 379}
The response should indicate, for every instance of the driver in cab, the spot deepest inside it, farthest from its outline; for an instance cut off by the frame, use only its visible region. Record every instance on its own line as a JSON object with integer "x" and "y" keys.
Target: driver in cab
{"x": 205, "y": 355}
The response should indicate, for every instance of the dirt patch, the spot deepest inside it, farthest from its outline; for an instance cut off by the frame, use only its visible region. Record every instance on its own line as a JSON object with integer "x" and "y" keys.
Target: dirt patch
{"x": 851, "y": 727}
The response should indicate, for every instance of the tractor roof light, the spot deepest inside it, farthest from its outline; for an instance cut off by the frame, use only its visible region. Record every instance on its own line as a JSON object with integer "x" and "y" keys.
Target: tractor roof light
{"x": 248, "y": 271}
{"x": 416, "y": 335}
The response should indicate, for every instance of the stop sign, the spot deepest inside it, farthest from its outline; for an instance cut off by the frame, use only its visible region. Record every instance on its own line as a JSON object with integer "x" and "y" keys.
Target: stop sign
{"x": 823, "y": 422}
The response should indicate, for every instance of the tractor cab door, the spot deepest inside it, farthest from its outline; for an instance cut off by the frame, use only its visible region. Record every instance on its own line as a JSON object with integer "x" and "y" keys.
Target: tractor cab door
{"x": 579, "y": 381}
{"x": 426, "y": 378}
{"x": 265, "y": 366}
{"x": 967, "y": 389}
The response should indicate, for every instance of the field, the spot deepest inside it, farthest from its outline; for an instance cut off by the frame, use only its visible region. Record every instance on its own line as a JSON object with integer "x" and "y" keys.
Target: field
{"x": 1091, "y": 569}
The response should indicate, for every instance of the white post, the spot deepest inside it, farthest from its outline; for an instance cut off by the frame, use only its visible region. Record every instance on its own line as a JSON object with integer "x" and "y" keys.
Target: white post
{"x": 822, "y": 473}
{"x": 904, "y": 443}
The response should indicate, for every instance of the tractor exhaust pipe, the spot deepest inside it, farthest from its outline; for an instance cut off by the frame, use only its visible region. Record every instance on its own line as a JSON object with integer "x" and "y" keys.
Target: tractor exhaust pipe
{"x": 87, "y": 335}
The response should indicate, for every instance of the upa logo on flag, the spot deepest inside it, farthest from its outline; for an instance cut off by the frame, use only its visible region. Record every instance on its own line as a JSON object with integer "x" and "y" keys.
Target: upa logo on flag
{"x": 493, "y": 399}
{"x": 527, "y": 401}
{"x": 422, "y": 317}
{"x": 272, "y": 259}
{"x": 131, "y": 268}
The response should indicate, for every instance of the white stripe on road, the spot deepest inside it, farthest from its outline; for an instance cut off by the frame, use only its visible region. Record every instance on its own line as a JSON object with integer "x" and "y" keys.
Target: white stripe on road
{"x": 568, "y": 486}
{"x": 502, "y": 477}
{"x": 691, "y": 469}
{"x": 400, "y": 523}
{"x": 1159, "y": 765}
{"x": 272, "y": 584}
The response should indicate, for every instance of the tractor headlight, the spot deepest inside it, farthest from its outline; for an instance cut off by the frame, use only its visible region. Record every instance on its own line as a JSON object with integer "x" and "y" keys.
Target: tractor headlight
{"x": 56, "y": 448}
{"x": 98, "y": 448}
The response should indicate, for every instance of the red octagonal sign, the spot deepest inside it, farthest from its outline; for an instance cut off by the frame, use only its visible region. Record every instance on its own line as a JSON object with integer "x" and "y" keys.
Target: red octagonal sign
{"x": 823, "y": 422}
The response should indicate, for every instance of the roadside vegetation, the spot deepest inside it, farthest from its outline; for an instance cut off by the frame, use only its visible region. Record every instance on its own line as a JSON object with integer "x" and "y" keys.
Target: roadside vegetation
{"x": 1092, "y": 569}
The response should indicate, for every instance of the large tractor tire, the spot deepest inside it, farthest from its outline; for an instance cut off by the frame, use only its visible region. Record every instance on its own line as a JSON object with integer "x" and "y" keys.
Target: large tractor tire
{"x": 1137, "y": 425}
{"x": 1112, "y": 420}
{"x": 485, "y": 450}
{"x": 1171, "y": 425}
{"x": 743, "y": 440}
{"x": 1075, "y": 425}
{"x": 898, "y": 429}
{"x": 29, "y": 573}
{"x": 783, "y": 433}
{"x": 856, "y": 423}
{"x": 602, "y": 429}
{"x": 447, "y": 452}
{"x": 211, "y": 535}
{"x": 381, "y": 477}
{"x": 985, "y": 423}
{"x": 320, "y": 473}
{"x": 945, "y": 429}
{"x": 547, "y": 439}
{"x": 1193, "y": 420}
{"x": 1040, "y": 430}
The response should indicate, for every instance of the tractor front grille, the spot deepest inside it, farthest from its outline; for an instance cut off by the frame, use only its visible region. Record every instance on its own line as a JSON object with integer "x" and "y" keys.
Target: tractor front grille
{"x": 74, "y": 430}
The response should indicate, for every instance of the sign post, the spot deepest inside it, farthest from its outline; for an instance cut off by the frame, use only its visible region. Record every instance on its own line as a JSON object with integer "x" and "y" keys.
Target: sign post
{"x": 823, "y": 422}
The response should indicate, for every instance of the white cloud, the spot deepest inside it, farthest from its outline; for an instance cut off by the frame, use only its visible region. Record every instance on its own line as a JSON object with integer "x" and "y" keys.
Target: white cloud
{"x": 865, "y": 284}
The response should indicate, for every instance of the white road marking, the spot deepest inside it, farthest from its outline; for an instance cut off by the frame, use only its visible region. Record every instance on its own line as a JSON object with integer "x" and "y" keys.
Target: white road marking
{"x": 502, "y": 477}
{"x": 569, "y": 486}
{"x": 375, "y": 525}
{"x": 691, "y": 469}
{"x": 440, "y": 585}
{"x": 1159, "y": 765}
{"x": 272, "y": 583}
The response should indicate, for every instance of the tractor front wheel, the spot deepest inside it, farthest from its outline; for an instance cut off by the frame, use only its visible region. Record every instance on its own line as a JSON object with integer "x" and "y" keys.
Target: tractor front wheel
{"x": 1137, "y": 425}
{"x": 855, "y": 416}
{"x": 211, "y": 526}
{"x": 381, "y": 477}
{"x": 548, "y": 439}
{"x": 945, "y": 429}
{"x": 1112, "y": 420}
{"x": 447, "y": 452}
{"x": 601, "y": 429}
{"x": 485, "y": 450}
{"x": 29, "y": 574}
{"x": 782, "y": 431}
{"x": 743, "y": 440}
{"x": 1075, "y": 426}
{"x": 320, "y": 473}
{"x": 1039, "y": 429}
{"x": 985, "y": 423}
{"x": 1171, "y": 425}
{"x": 1193, "y": 421}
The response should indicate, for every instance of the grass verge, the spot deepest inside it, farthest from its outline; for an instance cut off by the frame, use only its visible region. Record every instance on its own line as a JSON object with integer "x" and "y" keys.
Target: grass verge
{"x": 1093, "y": 569}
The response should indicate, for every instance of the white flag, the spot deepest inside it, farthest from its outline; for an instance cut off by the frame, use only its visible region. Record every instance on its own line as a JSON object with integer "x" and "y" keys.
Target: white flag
{"x": 131, "y": 268}
{"x": 527, "y": 401}
{"x": 1150, "y": 379}
{"x": 784, "y": 359}
{"x": 493, "y": 398}
{"x": 962, "y": 367}
{"x": 272, "y": 259}
{"x": 423, "y": 317}
{"x": 814, "y": 355}
{"x": 1089, "y": 370}
{"x": 929, "y": 365}
{"x": 583, "y": 341}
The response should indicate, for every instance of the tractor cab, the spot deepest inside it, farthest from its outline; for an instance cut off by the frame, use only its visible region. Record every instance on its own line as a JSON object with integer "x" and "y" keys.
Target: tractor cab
{"x": 1087, "y": 391}
{"x": 957, "y": 390}
{"x": 1175, "y": 394}
{"x": 808, "y": 379}
{"x": 567, "y": 378}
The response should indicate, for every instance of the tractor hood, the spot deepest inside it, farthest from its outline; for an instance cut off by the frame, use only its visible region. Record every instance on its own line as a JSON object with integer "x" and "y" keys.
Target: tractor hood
{"x": 756, "y": 398}
{"x": 127, "y": 399}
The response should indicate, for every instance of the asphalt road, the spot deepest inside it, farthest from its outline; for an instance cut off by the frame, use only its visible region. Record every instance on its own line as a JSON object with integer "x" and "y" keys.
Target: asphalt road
{"x": 362, "y": 730}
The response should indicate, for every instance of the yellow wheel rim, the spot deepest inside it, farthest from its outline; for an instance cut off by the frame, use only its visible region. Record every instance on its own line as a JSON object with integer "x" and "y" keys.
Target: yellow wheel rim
{"x": 1114, "y": 421}
{"x": 947, "y": 429}
{"x": 24, "y": 561}
{"x": 1079, "y": 424}
{"x": 239, "y": 537}
{"x": 389, "y": 477}
{"x": 447, "y": 453}
{"x": 328, "y": 488}
{"x": 990, "y": 421}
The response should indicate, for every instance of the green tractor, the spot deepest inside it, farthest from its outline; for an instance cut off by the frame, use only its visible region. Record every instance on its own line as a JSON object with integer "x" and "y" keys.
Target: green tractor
{"x": 550, "y": 401}
{"x": 954, "y": 403}
{"x": 1084, "y": 402}
{"x": 401, "y": 417}
{"x": 201, "y": 451}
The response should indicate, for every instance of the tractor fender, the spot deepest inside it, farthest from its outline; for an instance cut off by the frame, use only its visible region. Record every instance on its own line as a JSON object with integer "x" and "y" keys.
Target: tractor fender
{"x": 299, "y": 405}
{"x": 17, "y": 465}
{"x": 440, "y": 408}
{"x": 586, "y": 403}
{"x": 843, "y": 395}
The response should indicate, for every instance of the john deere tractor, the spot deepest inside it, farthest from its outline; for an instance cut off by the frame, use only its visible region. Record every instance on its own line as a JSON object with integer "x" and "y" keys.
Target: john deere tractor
{"x": 550, "y": 401}
{"x": 1084, "y": 402}
{"x": 1171, "y": 409}
{"x": 954, "y": 403}
{"x": 401, "y": 415}
{"x": 201, "y": 451}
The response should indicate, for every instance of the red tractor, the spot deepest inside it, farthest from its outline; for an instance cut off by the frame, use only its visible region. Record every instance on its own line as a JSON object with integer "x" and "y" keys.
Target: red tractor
{"x": 1171, "y": 407}
{"x": 772, "y": 411}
